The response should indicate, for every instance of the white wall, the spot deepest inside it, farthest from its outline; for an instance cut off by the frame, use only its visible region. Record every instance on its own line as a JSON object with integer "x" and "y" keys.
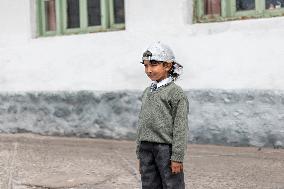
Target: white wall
{"x": 15, "y": 22}
{"x": 228, "y": 55}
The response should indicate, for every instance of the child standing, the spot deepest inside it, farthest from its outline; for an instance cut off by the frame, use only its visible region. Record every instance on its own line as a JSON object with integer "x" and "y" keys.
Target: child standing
{"x": 163, "y": 123}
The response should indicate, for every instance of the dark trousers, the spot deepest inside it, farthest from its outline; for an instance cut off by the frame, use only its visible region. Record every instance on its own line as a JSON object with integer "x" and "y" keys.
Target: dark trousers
{"x": 155, "y": 167}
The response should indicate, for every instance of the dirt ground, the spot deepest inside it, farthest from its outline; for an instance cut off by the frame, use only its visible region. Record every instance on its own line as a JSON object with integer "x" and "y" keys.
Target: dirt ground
{"x": 40, "y": 162}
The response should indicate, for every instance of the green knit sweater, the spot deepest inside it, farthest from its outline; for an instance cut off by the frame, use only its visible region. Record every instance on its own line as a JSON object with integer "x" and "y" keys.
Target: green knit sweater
{"x": 163, "y": 119}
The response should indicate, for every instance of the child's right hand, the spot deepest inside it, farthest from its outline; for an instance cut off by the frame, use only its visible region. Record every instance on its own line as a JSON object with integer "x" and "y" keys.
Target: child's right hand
{"x": 176, "y": 167}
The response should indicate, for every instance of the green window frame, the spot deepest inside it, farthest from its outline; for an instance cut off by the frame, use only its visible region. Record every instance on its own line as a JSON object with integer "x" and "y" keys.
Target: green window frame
{"x": 107, "y": 21}
{"x": 228, "y": 11}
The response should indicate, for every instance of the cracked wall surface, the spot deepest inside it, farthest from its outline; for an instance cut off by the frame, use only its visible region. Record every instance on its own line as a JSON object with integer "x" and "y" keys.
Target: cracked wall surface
{"x": 227, "y": 117}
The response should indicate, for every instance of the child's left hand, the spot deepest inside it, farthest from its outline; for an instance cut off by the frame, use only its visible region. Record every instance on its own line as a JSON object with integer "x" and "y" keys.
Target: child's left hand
{"x": 176, "y": 167}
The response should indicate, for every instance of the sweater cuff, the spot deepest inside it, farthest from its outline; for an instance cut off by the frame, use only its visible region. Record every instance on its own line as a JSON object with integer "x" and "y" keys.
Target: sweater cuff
{"x": 137, "y": 150}
{"x": 177, "y": 157}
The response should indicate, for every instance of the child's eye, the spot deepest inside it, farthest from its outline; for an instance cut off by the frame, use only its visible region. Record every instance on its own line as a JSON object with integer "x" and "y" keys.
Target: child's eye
{"x": 155, "y": 63}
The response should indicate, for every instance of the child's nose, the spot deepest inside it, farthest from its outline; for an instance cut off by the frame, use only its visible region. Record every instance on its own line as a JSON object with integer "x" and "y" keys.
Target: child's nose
{"x": 148, "y": 70}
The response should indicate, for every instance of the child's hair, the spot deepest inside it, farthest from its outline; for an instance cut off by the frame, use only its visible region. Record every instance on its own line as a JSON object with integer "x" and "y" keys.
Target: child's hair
{"x": 161, "y": 53}
{"x": 175, "y": 71}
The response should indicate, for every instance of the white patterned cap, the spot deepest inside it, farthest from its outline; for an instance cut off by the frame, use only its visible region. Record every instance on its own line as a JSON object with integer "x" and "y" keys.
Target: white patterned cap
{"x": 159, "y": 52}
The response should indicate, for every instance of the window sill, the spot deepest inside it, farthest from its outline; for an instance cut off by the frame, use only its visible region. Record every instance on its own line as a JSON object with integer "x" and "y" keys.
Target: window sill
{"x": 240, "y": 16}
{"x": 78, "y": 32}
{"x": 237, "y": 24}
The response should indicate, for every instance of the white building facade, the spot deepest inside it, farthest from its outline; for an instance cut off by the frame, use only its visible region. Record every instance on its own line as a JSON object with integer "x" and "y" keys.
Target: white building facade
{"x": 233, "y": 67}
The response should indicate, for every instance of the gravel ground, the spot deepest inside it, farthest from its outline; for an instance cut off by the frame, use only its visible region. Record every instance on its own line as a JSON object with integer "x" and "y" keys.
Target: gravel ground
{"x": 40, "y": 162}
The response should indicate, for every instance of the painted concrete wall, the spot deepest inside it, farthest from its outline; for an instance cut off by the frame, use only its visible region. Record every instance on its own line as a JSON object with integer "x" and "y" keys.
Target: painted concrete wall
{"x": 229, "y": 55}
{"x": 233, "y": 74}
{"x": 15, "y": 23}
{"x": 234, "y": 117}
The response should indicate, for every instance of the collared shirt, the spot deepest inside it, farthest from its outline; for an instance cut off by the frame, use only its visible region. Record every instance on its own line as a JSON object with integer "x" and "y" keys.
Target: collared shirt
{"x": 161, "y": 83}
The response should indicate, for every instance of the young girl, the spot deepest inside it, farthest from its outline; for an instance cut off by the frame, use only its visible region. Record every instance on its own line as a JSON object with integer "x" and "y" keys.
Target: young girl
{"x": 163, "y": 123}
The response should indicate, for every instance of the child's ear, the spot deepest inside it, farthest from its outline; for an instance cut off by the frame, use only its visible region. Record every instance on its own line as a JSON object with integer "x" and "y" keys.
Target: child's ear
{"x": 168, "y": 66}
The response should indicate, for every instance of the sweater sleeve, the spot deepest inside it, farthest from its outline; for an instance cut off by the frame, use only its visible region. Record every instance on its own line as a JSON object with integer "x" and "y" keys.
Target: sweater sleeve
{"x": 137, "y": 144}
{"x": 180, "y": 129}
{"x": 138, "y": 129}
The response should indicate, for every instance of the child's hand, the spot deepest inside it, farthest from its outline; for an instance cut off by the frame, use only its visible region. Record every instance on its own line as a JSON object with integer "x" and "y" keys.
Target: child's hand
{"x": 176, "y": 167}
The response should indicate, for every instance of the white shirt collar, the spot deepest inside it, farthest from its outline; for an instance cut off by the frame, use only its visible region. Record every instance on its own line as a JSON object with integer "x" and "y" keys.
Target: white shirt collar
{"x": 163, "y": 82}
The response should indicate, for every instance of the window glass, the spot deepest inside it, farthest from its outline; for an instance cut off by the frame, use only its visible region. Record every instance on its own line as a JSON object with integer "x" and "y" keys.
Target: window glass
{"x": 94, "y": 12}
{"x": 73, "y": 14}
{"x": 212, "y": 7}
{"x": 60, "y": 17}
{"x": 274, "y": 4}
{"x": 50, "y": 15}
{"x": 118, "y": 11}
{"x": 245, "y": 5}
{"x": 227, "y": 10}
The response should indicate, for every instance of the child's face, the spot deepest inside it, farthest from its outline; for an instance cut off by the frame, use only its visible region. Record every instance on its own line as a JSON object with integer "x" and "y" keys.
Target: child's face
{"x": 157, "y": 71}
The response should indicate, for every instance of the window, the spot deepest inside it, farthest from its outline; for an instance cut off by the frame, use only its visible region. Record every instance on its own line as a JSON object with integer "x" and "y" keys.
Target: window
{"x": 59, "y": 17}
{"x": 223, "y": 10}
